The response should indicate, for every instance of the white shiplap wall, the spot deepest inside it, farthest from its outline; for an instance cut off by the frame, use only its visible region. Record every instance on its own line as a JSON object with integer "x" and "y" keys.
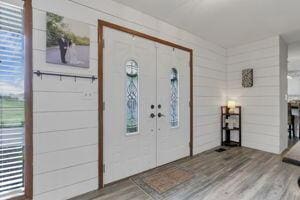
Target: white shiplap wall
{"x": 283, "y": 56}
{"x": 262, "y": 126}
{"x": 65, "y": 112}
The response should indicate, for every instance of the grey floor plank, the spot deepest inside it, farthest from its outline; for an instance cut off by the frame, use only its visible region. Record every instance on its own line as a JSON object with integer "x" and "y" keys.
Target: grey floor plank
{"x": 235, "y": 174}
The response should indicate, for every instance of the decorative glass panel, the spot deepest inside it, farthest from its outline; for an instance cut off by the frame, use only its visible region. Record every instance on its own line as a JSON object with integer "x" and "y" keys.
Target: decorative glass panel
{"x": 132, "y": 99}
{"x": 174, "y": 100}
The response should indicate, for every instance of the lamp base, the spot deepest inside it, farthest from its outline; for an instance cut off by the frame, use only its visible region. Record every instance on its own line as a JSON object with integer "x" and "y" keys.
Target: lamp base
{"x": 231, "y": 110}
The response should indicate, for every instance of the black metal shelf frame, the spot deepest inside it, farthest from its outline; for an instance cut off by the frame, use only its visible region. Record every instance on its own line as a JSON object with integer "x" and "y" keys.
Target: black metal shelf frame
{"x": 224, "y": 126}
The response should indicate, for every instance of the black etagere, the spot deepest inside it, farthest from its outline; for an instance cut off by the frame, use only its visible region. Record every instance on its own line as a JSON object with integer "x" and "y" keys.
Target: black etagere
{"x": 234, "y": 114}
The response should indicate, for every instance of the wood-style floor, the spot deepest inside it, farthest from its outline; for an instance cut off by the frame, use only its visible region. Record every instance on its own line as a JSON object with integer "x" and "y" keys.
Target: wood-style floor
{"x": 236, "y": 174}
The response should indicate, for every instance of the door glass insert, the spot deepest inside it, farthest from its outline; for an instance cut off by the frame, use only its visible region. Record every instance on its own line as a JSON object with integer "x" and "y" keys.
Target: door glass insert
{"x": 174, "y": 100}
{"x": 132, "y": 97}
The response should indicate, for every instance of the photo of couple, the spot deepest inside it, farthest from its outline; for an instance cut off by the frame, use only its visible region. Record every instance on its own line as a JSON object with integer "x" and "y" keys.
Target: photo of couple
{"x": 68, "y": 48}
{"x": 67, "y": 42}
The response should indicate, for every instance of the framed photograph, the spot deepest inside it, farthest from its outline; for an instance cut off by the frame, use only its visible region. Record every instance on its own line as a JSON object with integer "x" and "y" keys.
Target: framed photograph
{"x": 68, "y": 41}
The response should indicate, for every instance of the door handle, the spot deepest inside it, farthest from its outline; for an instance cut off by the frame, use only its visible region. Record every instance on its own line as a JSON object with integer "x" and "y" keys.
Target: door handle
{"x": 152, "y": 115}
{"x": 160, "y": 115}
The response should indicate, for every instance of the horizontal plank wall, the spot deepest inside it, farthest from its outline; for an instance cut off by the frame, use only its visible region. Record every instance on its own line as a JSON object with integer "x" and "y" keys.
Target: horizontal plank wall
{"x": 66, "y": 113}
{"x": 283, "y": 53}
{"x": 261, "y": 122}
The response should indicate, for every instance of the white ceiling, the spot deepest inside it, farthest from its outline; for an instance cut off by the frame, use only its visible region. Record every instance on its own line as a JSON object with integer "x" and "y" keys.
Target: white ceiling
{"x": 227, "y": 22}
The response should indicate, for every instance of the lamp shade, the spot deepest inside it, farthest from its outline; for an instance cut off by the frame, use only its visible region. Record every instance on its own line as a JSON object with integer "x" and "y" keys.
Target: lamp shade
{"x": 231, "y": 104}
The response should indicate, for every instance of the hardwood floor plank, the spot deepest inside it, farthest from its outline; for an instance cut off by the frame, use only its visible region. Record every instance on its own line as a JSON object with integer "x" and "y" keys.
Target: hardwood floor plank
{"x": 235, "y": 174}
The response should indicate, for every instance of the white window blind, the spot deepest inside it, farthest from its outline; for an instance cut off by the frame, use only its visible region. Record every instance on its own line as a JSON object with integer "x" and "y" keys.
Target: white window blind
{"x": 11, "y": 101}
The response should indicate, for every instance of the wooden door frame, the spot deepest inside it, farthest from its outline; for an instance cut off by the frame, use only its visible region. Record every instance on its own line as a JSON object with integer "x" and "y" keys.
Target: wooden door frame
{"x": 101, "y": 25}
{"x": 28, "y": 165}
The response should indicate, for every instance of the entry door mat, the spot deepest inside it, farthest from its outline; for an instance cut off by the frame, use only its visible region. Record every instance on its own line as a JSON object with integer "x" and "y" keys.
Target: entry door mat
{"x": 159, "y": 182}
{"x": 293, "y": 155}
{"x": 220, "y": 150}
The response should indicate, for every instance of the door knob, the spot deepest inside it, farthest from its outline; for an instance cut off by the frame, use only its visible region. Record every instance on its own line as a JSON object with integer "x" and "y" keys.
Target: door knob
{"x": 152, "y": 115}
{"x": 160, "y": 115}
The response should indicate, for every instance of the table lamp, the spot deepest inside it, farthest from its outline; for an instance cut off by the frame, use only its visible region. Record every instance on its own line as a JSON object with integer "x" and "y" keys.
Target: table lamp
{"x": 231, "y": 106}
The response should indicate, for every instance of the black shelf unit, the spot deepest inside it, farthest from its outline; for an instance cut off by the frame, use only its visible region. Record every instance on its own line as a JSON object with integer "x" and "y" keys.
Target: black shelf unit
{"x": 225, "y": 130}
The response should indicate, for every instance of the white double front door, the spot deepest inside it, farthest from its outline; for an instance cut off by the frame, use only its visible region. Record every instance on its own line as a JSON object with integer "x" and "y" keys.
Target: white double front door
{"x": 147, "y": 112}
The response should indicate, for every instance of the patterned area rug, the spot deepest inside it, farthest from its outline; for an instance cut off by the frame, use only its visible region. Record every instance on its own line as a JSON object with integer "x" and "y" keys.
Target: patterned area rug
{"x": 162, "y": 180}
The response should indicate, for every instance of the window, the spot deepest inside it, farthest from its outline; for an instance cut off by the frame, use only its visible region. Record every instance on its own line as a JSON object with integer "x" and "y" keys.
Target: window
{"x": 132, "y": 99}
{"x": 11, "y": 101}
{"x": 174, "y": 100}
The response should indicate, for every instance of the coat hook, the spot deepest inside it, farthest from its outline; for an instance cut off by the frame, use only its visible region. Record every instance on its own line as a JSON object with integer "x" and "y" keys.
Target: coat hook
{"x": 40, "y": 74}
{"x": 93, "y": 79}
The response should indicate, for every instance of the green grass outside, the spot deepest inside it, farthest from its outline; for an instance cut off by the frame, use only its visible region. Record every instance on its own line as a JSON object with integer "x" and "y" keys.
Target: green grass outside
{"x": 12, "y": 113}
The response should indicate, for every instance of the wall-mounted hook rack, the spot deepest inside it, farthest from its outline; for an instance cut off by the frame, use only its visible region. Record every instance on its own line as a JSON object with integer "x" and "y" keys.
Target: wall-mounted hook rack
{"x": 60, "y": 75}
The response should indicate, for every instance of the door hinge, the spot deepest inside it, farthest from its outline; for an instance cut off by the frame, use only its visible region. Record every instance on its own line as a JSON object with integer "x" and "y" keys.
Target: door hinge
{"x": 103, "y": 168}
{"x": 103, "y": 43}
{"x": 103, "y": 106}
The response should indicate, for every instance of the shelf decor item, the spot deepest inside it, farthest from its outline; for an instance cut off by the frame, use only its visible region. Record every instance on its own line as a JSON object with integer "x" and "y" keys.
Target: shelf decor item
{"x": 231, "y": 105}
{"x": 231, "y": 121}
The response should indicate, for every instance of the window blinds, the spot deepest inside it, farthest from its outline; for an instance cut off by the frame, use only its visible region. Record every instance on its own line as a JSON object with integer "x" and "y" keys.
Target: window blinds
{"x": 11, "y": 100}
